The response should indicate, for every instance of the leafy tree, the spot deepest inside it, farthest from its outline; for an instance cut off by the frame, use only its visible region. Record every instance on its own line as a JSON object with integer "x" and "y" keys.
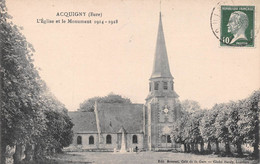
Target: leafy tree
{"x": 21, "y": 87}
{"x": 23, "y": 96}
{"x": 249, "y": 121}
{"x": 186, "y": 130}
{"x": 195, "y": 134}
{"x": 222, "y": 132}
{"x": 207, "y": 128}
{"x": 58, "y": 132}
{"x": 190, "y": 106}
{"x": 234, "y": 128}
{"x": 179, "y": 132}
{"x": 88, "y": 105}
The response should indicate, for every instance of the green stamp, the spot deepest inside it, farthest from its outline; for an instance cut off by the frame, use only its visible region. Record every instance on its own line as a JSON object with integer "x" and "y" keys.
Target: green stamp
{"x": 237, "y": 26}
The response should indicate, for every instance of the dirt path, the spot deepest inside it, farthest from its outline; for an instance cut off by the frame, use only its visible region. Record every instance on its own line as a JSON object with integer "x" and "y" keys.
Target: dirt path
{"x": 146, "y": 158}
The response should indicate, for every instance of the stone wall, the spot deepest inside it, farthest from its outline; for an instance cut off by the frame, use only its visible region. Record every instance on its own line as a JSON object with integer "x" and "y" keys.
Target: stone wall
{"x": 115, "y": 142}
{"x": 109, "y": 146}
{"x": 85, "y": 141}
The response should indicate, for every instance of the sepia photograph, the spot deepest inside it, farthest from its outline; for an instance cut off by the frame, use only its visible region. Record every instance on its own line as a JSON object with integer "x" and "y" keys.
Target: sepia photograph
{"x": 129, "y": 81}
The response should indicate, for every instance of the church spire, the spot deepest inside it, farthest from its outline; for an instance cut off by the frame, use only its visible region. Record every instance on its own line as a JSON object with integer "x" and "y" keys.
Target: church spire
{"x": 161, "y": 66}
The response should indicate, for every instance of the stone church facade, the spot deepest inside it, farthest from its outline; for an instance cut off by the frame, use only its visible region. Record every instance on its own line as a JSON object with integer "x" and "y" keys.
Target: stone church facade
{"x": 123, "y": 127}
{"x": 109, "y": 127}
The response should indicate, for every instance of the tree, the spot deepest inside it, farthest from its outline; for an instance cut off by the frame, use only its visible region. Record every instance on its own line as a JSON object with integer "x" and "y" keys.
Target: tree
{"x": 207, "y": 128}
{"x": 234, "y": 128}
{"x": 179, "y": 132}
{"x": 88, "y": 105}
{"x": 20, "y": 88}
{"x": 190, "y": 105}
{"x": 23, "y": 96}
{"x": 249, "y": 121}
{"x": 58, "y": 132}
{"x": 195, "y": 134}
{"x": 186, "y": 129}
{"x": 222, "y": 132}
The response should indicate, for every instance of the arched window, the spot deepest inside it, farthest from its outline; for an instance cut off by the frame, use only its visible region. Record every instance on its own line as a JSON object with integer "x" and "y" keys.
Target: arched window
{"x": 165, "y": 85}
{"x": 108, "y": 139}
{"x": 135, "y": 139}
{"x": 169, "y": 139}
{"x": 79, "y": 140}
{"x": 156, "y": 85}
{"x": 91, "y": 140}
{"x": 163, "y": 139}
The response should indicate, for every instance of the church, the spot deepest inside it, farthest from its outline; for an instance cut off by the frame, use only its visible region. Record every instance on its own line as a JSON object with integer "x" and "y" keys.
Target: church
{"x": 123, "y": 127}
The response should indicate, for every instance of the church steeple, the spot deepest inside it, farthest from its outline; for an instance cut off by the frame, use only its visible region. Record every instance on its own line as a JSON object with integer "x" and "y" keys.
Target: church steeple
{"x": 161, "y": 67}
{"x": 161, "y": 81}
{"x": 161, "y": 109}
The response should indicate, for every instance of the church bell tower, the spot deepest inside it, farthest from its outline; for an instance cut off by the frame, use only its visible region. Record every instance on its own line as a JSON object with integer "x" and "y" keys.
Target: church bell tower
{"x": 160, "y": 110}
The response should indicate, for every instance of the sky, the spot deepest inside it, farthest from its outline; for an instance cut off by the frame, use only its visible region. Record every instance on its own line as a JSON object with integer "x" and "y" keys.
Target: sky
{"x": 80, "y": 61}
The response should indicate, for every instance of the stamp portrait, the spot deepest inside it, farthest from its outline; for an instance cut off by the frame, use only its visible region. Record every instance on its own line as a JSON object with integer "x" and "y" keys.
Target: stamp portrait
{"x": 237, "y": 26}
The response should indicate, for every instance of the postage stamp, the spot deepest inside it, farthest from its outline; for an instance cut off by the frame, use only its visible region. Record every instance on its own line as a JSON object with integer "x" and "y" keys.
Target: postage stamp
{"x": 237, "y": 26}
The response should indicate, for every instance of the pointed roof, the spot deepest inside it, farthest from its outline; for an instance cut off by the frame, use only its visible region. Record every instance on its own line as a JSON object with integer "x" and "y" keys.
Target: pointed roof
{"x": 161, "y": 66}
{"x": 122, "y": 130}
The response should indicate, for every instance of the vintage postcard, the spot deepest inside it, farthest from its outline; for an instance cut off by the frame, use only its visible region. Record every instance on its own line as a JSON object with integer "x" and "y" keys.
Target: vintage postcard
{"x": 130, "y": 81}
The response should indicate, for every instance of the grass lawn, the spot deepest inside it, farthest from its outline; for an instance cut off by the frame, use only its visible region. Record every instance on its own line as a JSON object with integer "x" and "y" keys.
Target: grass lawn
{"x": 146, "y": 158}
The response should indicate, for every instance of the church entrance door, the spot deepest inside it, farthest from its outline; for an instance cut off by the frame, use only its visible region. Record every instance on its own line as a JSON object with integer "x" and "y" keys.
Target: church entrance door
{"x": 166, "y": 141}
